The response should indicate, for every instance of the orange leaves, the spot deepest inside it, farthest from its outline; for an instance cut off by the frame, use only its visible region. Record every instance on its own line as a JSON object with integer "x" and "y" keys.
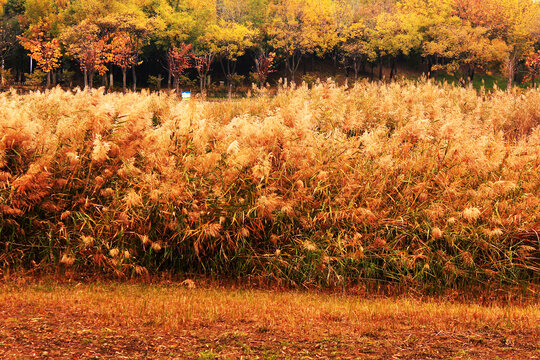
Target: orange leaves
{"x": 533, "y": 61}
{"x": 124, "y": 50}
{"x": 95, "y": 55}
{"x": 44, "y": 48}
{"x": 533, "y": 65}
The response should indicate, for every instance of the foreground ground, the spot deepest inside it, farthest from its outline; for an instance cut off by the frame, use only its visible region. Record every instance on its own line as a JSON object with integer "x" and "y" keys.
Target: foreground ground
{"x": 119, "y": 321}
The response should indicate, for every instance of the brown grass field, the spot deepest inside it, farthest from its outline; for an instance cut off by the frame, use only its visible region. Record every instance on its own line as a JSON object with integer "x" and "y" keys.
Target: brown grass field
{"x": 174, "y": 321}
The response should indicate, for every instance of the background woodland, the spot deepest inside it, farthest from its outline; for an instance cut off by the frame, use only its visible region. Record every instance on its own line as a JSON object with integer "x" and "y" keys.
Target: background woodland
{"x": 196, "y": 45}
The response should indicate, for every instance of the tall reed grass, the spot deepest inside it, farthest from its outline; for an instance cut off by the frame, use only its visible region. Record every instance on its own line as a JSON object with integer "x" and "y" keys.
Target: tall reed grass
{"x": 414, "y": 183}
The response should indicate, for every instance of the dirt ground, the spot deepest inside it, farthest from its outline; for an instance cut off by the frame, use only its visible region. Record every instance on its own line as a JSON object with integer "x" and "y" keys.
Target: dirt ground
{"x": 70, "y": 324}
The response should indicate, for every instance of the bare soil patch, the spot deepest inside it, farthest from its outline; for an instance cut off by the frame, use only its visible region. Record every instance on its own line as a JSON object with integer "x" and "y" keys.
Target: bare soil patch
{"x": 174, "y": 322}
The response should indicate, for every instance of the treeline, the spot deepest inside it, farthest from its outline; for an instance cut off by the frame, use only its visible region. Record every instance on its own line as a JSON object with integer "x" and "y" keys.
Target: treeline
{"x": 154, "y": 37}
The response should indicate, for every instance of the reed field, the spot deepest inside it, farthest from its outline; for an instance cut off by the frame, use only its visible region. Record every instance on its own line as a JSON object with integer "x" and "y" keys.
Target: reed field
{"x": 413, "y": 183}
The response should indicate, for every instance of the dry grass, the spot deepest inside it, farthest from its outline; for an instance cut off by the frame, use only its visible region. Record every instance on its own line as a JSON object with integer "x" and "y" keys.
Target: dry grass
{"x": 413, "y": 183}
{"x": 178, "y": 322}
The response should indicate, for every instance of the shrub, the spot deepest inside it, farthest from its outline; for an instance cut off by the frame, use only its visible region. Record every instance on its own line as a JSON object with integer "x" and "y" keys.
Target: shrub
{"x": 155, "y": 82}
{"x": 35, "y": 79}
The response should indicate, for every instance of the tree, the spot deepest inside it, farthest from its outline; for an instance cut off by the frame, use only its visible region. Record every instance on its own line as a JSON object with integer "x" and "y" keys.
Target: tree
{"x": 521, "y": 33}
{"x": 174, "y": 26}
{"x": 203, "y": 62}
{"x": 178, "y": 60}
{"x": 129, "y": 33}
{"x": 229, "y": 40}
{"x": 533, "y": 67}
{"x": 92, "y": 10}
{"x": 356, "y": 47}
{"x": 361, "y": 35}
{"x": 125, "y": 55}
{"x": 301, "y": 27}
{"x": 264, "y": 63}
{"x": 465, "y": 49}
{"x": 516, "y": 22}
{"x": 391, "y": 36}
{"x": 429, "y": 16}
{"x": 452, "y": 43}
{"x": 91, "y": 49}
{"x": 8, "y": 43}
{"x": 243, "y": 11}
{"x": 347, "y": 16}
{"x": 43, "y": 47}
{"x": 52, "y": 10}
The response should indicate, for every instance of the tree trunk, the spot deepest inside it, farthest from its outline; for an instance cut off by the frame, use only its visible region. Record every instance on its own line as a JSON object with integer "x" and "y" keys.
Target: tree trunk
{"x": 91, "y": 79}
{"x": 510, "y": 79}
{"x": 54, "y": 78}
{"x": 111, "y": 80}
{"x": 292, "y": 63}
{"x": 48, "y": 79}
{"x": 85, "y": 75}
{"x": 176, "y": 85}
{"x": 334, "y": 58}
{"x": 3, "y": 81}
{"x": 124, "y": 76}
{"x": 511, "y": 68}
{"x": 228, "y": 69}
{"x": 201, "y": 83}
{"x": 134, "y": 79}
{"x": 169, "y": 81}
{"x": 380, "y": 68}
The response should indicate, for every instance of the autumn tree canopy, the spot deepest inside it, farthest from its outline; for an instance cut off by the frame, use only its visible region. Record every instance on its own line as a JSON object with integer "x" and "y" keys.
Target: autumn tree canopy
{"x": 43, "y": 46}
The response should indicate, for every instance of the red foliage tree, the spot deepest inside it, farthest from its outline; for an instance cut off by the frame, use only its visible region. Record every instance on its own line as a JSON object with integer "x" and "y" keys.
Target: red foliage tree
{"x": 263, "y": 67}
{"x": 178, "y": 60}
{"x": 533, "y": 67}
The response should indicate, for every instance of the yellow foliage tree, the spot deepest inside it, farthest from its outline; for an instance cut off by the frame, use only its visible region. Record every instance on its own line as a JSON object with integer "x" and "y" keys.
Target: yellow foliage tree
{"x": 229, "y": 40}
{"x": 301, "y": 27}
{"x": 454, "y": 43}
